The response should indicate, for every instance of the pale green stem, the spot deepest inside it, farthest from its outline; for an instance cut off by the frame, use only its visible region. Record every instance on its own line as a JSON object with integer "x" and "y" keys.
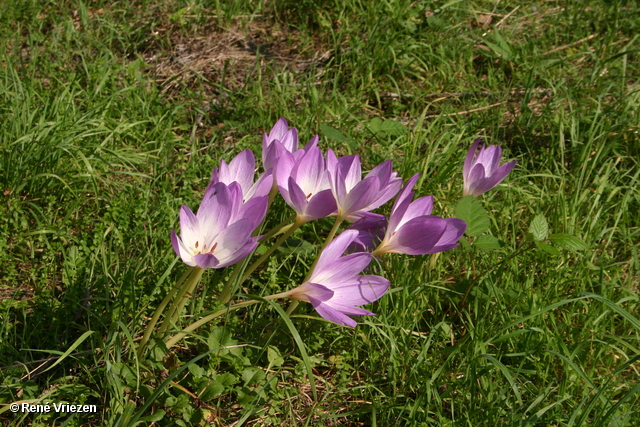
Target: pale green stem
{"x": 229, "y": 287}
{"x": 181, "y": 299}
{"x": 177, "y": 337}
{"x": 226, "y": 293}
{"x": 266, "y": 255}
{"x": 159, "y": 310}
{"x": 292, "y": 306}
{"x": 275, "y": 230}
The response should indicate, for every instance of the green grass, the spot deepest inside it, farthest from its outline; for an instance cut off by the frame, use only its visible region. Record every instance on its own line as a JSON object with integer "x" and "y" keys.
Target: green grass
{"x": 114, "y": 115}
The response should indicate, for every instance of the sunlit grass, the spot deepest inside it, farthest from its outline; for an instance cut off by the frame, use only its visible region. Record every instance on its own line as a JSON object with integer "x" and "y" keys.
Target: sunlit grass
{"x": 114, "y": 115}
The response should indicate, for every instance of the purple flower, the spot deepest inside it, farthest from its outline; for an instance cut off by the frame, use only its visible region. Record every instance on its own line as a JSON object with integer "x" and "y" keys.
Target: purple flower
{"x": 241, "y": 169}
{"x": 371, "y": 230}
{"x": 238, "y": 176}
{"x": 220, "y": 233}
{"x": 335, "y": 289}
{"x": 355, "y": 195}
{"x": 303, "y": 183}
{"x": 412, "y": 230}
{"x": 281, "y": 139}
{"x": 482, "y": 172}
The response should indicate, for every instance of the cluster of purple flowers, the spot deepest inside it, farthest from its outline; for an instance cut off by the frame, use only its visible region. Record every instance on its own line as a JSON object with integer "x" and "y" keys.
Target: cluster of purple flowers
{"x": 221, "y": 233}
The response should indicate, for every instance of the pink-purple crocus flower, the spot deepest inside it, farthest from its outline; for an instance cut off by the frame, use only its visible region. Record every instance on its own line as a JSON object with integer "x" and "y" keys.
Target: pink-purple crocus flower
{"x": 482, "y": 172}
{"x": 219, "y": 234}
{"x": 254, "y": 196}
{"x": 371, "y": 230}
{"x": 241, "y": 169}
{"x": 282, "y": 139}
{"x": 335, "y": 288}
{"x": 303, "y": 183}
{"x": 355, "y": 195}
{"x": 413, "y": 230}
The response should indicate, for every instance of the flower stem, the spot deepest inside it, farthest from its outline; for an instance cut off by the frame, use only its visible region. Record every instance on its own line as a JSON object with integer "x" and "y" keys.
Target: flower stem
{"x": 292, "y": 306}
{"x": 159, "y": 310}
{"x": 226, "y": 293}
{"x": 170, "y": 342}
{"x": 277, "y": 229}
{"x": 266, "y": 255}
{"x": 181, "y": 299}
{"x": 229, "y": 287}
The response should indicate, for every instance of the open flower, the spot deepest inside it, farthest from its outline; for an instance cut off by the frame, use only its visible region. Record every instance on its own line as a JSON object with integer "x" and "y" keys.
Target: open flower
{"x": 238, "y": 175}
{"x": 335, "y": 288}
{"x": 281, "y": 139}
{"x": 355, "y": 195}
{"x": 303, "y": 183}
{"x": 241, "y": 169}
{"x": 482, "y": 172}
{"x": 218, "y": 235}
{"x": 412, "y": 230}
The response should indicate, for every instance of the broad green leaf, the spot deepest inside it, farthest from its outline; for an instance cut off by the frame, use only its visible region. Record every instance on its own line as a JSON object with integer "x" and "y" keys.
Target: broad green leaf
{"x": 390, "y": 127}
{"x": 274, "y": 357}
{"x": 213, "y": 389}
{"x": 567, "y": 241}
{"x": 471, "y": 211}
{"x": 252, "y": 375}
{"x": 375, "y": 124}
{"x": 393, "y": 128}
{"x": 434, "y": 22}
{"x": 547, "y": 248}
{"x": 487, "y": 243}
{"x": 337, "y": 136}
{"x": 539, "y": 228}
{"x": 196, "y": 371}
{"x": 226, "y": 379}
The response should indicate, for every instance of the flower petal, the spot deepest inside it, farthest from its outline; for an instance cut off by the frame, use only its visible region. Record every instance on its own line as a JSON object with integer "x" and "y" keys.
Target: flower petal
{"x": 475, "y": 178}
{"x": 360, "y": 196}
{"x": 451, "y": 236}
{"x": 215, "y": 210}
{"x": 406, "y": 192}
{"x": 351, "y": 170}
{"x": 363, "y": 290}
{"x": 418, "y": 236}
{"x": 298, "y": 200}
{"x": 332, "y": 314}
{"x": 340, "y": 270}
{"x": 206, "y": 261}
{"x": 310, "y": 170}
{"x": 234, "y": 242}
{"x": 313, "y": 142}
{"x": 313, "y": 290}
{"x": 262, "y": 186}
{"x": 242, "y": 168}
{"x": 419, "y": 207}
{"x": 254, "y": 210}
{"x": 468, "y": 161}
{"x": 335, "y": 249}
{"x": 320, "y": 205}
{"x": 189, "y": 227}
{"x": 290, "y": 140}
